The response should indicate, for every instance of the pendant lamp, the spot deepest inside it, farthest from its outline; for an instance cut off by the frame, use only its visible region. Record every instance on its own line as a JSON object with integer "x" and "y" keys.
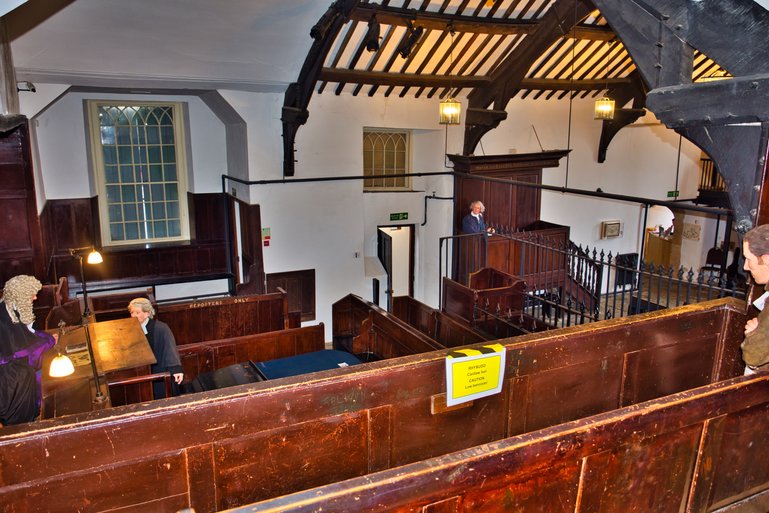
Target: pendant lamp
{"x": 604, "y": 107}
{"x": 449, "y": 110}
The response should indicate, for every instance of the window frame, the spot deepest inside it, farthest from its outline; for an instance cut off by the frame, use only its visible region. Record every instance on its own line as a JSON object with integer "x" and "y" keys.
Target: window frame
{"x": 98, "y": 170}
{"x": 408, "y": 158}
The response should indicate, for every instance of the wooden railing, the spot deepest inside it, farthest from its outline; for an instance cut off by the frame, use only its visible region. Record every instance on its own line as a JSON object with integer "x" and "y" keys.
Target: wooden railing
{"x": 225, "y": 449}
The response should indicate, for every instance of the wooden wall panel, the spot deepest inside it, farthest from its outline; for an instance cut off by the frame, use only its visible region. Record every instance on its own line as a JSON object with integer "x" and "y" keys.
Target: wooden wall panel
{"x": 741, "y": 458}
{"x": 649, "y": 474}
{"x": 664, "y": 370}
{"x": 258, "y": 467}
{"x": 554, "y": 491}
{"x": 300, "y": 288}
{"x": 73, "y": 223}
{"x": 583, "y": 390}
{"x": 508, "y": 205}
{"x": 21, "y": 244}
{"x": 225, "y": 317}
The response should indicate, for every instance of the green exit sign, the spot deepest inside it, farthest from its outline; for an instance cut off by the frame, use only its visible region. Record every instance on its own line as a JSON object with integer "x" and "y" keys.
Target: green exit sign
{"x": 399, "y": 216}
{"x": 672, "y": 194}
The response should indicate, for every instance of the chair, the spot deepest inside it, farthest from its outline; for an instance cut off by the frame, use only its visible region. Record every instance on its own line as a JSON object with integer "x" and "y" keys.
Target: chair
{"x": 69, "y": 312}
{"x": 714, "y": 263}
{"x": 137, "y": 389}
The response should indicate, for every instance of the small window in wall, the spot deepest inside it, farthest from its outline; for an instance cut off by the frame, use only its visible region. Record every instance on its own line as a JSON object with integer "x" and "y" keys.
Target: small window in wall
{"x": 139, "y": 163}
{"x": 386, "y": 153}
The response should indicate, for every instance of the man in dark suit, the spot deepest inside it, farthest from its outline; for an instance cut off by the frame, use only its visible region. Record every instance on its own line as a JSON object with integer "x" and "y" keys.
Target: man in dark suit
{"x": 473, "y": 222}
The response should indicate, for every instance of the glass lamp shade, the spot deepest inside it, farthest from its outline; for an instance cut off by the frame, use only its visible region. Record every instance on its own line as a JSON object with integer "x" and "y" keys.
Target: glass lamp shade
{"x": 604, "y": 108}
{"x": 61, "y": 366}
{"x": 94, "y": 257}
{"x": 449, "y": 110}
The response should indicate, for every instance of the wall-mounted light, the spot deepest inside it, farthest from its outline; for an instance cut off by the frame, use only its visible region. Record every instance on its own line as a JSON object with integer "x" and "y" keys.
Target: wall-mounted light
{"x": 26, "y": 86}
{"x": 371, "y": 39}
{"x": 408, "y": 42}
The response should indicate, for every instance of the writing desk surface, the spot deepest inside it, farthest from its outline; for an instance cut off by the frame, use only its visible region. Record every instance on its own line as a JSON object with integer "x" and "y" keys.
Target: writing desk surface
{"x": 118, "y": 345}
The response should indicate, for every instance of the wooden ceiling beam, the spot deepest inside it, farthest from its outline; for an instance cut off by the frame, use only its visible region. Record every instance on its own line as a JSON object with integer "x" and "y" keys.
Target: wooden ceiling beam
{"x": 560, "y": 18}
{"x": 471, "y": 24}
{"x": 416, "y": 80}
{"x": 294, "y": 113}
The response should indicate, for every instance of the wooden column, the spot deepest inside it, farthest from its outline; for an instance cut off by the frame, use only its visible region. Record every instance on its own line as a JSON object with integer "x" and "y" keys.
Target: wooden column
{"x": 9, "y": 96}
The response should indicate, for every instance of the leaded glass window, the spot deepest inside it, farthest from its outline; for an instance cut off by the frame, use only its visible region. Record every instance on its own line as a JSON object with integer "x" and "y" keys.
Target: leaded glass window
{"x": 139, "y": 161}
{"x": 386, "y": 154}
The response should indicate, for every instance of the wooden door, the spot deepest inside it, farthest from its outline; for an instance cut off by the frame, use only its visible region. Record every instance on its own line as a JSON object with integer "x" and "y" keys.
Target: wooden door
{"x": 385, "y": 254}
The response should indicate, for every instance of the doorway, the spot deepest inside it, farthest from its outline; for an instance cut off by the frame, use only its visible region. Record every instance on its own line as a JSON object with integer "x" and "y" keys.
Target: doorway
{"x": 395, "y": 249}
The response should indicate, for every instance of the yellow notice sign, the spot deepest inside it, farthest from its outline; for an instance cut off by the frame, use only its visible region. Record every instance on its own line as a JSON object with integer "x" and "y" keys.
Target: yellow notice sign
{"x": 474, "y": 373}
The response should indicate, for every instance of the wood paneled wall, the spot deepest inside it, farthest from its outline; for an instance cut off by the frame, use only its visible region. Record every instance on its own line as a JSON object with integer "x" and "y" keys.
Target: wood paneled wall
{"x": 73, "y": 223}
{"x": 300, "y": 287}
{"x": 20, "y": 235}
{"x": 509, "y": 205}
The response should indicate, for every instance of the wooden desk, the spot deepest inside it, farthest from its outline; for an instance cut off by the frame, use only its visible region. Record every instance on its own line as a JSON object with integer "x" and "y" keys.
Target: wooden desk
{"x": 120, "y": 350}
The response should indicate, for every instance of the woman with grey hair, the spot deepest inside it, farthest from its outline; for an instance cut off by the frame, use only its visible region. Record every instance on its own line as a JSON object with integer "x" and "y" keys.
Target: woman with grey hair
{"x": 162, "y": 342}
{"x": 21, "y": 351}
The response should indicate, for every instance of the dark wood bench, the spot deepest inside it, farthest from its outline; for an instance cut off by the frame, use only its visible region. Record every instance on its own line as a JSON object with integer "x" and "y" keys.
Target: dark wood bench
{"x": 232, "y": 447}
{"x": 192, "y": 321}
{"x": 496, "y": 312}
{"x": 225, "y": 317}
{"x": 363, "y": 328}
{"x": 435, "y": 324}
{"x": 209, "y": 356}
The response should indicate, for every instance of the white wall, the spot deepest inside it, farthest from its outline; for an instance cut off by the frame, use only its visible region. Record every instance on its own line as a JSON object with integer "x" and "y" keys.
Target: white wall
{"x": 322, "y": 225}
{"x": 60, "y": 134}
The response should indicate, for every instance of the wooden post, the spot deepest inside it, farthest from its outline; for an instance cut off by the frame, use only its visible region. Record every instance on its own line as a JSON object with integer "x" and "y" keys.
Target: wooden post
{"x": 9, "y": 96}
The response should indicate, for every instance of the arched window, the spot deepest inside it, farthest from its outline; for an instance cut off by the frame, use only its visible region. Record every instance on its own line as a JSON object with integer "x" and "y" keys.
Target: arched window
{"x": 386, "y": 153}
{"x": 139, "y": 166}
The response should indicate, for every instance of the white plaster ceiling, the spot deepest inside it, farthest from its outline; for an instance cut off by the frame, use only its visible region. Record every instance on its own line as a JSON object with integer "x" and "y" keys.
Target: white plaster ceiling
{"x": 256, "y": 45}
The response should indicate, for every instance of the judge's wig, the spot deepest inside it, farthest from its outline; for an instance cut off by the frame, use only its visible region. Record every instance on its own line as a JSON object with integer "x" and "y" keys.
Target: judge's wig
{"x": 143, "y": 304}
{"x": 18, "y": 294}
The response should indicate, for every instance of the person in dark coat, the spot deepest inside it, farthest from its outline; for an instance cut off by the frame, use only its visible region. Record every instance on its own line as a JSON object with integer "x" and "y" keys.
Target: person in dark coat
{"x": 473, "y": 222}
{"x": 162, "y": 342}
{"x": 21, "y": 352}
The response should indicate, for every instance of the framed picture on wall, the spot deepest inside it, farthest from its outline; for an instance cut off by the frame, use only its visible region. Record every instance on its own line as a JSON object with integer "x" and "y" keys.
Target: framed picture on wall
{"x": 611, "y": 229}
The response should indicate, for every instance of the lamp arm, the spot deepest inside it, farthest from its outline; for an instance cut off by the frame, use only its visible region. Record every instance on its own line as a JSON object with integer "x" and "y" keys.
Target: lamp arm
{"x": 100, "y": 397}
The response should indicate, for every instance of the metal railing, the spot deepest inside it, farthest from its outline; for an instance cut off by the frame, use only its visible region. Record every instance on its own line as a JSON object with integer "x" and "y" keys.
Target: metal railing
{"x": 568, "y": 284}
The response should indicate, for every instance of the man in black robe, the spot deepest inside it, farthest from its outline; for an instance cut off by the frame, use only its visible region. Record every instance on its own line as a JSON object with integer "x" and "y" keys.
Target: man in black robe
{"x": 162, "y": 342}
{"x": 21, "y": 351}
